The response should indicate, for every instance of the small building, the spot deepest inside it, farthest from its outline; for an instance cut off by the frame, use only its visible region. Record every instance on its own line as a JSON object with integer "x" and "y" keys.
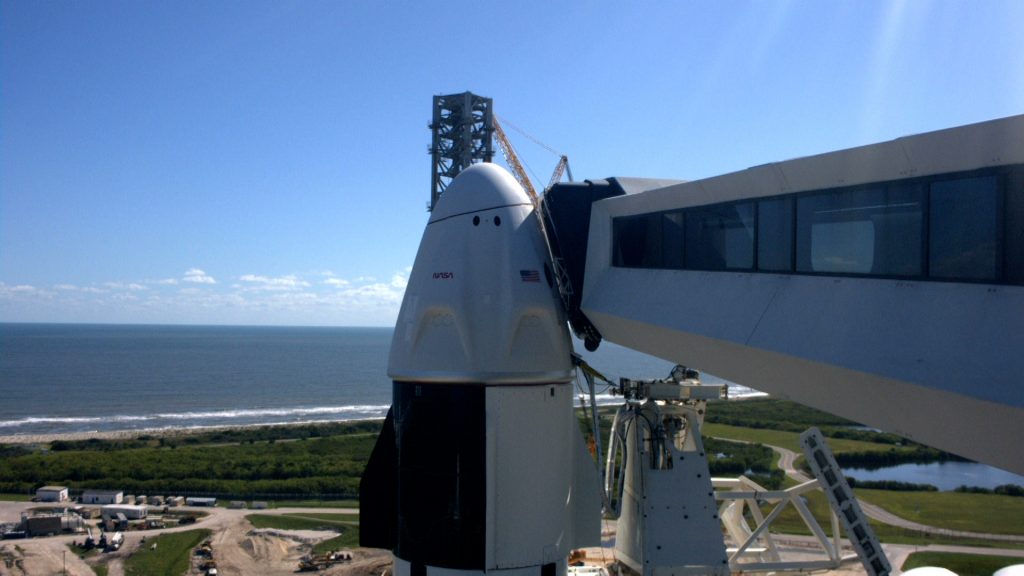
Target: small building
{"x": 156, "y": 500}
{"x": 143, "y": 499}
{"x": 237, "y": 505}
{"x": 128, "y": 499}
{"x": 52, "y": 494}
{"x": 259, "y": 505}
{"x": 43, "y": 525}
{"x": 130, "y": 511}
{"x": 194, "y": 501}
{"x": 102, "y": 497}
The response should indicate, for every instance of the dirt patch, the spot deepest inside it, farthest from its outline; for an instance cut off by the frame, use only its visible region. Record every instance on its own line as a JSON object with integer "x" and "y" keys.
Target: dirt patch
{"x": 44, "y": 557}
{"x": 239, "y": 549}
{"x": 365, "y": 562}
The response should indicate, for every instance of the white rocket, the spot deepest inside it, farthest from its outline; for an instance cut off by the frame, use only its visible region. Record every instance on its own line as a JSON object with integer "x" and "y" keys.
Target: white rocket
{"x": 481, "y": 466}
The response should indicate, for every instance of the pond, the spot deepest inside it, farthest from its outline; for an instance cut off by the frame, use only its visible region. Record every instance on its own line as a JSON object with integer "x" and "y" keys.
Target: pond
{"x": 942, "y": 475}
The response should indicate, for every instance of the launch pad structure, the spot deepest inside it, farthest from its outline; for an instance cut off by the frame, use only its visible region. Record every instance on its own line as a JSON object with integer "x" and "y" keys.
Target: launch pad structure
{"x": 746, "y": 275}
{"x": 461, "y": 135}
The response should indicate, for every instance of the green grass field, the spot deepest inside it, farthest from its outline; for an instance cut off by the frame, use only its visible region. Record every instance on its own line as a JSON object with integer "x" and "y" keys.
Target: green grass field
{"x": 313, "y": 504}
{"x": 304, "y": 521}
{"x": 789, "y": 440}
{"x": 171, "y": 557}
{"x": 348, "y": 539}
{"x": 989, "y": 513}
{"x": 986, "y": 513}
{"x": 961, "y": 564}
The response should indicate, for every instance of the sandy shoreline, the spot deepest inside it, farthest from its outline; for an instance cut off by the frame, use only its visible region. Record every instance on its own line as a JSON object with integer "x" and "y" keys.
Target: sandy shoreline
{"x": 155, "y": 432}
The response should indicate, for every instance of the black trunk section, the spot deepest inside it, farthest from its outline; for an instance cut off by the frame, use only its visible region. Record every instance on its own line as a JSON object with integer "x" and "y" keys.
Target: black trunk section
{"x": 442, "y": 479}
{"x": 378, "y": 503}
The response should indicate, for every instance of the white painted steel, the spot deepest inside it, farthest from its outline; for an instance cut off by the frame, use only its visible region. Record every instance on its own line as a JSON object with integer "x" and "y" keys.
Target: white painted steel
{"x": 544, "y": 499}
{"x": 668, "y": 523}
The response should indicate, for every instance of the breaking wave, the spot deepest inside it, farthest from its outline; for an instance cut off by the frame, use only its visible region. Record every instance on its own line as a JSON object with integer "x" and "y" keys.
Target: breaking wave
{"x": 192, "y": 418}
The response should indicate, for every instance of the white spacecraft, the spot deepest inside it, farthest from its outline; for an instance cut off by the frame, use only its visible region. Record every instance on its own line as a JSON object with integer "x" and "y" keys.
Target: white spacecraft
{"x": 481, "y": 466}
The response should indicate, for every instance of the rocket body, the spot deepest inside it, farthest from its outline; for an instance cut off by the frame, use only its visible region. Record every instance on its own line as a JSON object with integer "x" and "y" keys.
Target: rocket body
{"x": 481, "y": 466}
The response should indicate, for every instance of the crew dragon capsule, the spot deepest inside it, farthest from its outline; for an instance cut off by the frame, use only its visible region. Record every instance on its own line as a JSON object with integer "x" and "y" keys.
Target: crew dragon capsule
{"x": 480, "y": 466}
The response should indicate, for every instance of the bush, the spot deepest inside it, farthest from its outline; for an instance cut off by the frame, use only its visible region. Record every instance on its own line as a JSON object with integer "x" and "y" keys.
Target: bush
{"x": 893, "y": 485}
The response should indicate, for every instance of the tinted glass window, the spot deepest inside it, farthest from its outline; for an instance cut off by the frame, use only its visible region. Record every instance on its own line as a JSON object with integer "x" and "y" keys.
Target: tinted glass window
{"x": 672, "y": 240}
{"x": 775, "y": 235}
{"x": 869, "y": 231}
{"x": 1013, "y": 256}
{"x": 636, "y": 241}
{"x": 720, "y": 237}
{"x": 964, "y": 229}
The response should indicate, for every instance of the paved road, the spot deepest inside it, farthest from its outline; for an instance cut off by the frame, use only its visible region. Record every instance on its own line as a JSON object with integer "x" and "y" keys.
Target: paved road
{"x": 788, "y": 457}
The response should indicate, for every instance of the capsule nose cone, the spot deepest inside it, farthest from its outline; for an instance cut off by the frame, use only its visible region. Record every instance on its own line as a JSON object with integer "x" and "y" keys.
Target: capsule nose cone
{"x": 477, "y": 308}
{"x": 479, "y": 187}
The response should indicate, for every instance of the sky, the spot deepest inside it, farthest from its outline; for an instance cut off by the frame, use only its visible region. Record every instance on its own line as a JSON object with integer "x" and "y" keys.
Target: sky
{"x": 265, "y": 163}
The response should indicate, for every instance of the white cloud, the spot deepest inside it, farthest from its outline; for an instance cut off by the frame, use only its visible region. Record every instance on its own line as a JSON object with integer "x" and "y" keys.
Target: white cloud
{"x": 17, "y": 289}
{"x": 197, "y": 276}
{"x": 198, "y": 298}
{"x": 122, "y": 286}
{"x": 289, "y": 282}
{"x": 85, "y": 289}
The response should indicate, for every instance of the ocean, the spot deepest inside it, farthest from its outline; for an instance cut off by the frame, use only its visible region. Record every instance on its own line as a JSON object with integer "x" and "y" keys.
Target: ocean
{"x": 63, "y": 378}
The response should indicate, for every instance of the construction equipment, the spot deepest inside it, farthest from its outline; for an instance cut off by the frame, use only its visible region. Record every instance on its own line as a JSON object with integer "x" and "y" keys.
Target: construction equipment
{"x": 512, "y": 159}
{"x": 560, "y": 169}
{"x": 316, "y": 562}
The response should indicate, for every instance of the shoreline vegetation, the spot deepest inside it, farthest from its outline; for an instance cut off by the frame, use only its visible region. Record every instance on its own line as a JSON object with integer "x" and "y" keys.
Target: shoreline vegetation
{"x": 167, "y": 433}
{"x": 325, "y": 460}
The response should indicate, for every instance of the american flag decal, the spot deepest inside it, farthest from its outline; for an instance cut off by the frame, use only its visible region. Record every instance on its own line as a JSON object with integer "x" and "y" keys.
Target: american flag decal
{"x": 529, "y": 275}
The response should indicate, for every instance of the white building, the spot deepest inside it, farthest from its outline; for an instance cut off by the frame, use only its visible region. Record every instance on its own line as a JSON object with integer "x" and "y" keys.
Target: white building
{"x": 195, "y": 501}
{"x": 52, "y": 494}
{"x": 131, "y": 512}
{"x": 102, "y": 497}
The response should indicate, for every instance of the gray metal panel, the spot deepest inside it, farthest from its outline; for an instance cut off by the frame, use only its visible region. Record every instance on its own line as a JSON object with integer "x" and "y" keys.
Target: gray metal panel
{"x": 982, "y": 145}
{"x": 885, "y": 161}
{"x": 936, "y": 362}
{"x": 976, "y": 146}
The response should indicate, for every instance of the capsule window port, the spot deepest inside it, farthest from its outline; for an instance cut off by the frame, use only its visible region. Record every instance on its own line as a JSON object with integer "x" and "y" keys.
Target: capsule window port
{"x": 497, "y": 220}
{"x": 476, "y": 220}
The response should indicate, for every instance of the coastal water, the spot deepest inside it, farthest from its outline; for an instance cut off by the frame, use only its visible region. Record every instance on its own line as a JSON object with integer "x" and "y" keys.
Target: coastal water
{"x": 943, "y": 475}
{"x": 77, "y": 378}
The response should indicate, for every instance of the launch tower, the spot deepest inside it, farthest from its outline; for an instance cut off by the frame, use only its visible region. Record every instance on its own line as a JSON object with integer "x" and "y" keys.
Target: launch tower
{"x": 461, "y": 131}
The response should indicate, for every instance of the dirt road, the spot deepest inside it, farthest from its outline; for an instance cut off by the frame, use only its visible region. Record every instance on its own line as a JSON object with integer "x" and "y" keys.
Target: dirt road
{"x": 238, "y": 548}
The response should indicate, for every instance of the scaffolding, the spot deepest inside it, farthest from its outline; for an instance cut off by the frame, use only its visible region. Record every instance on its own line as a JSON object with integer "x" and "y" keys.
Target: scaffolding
{"x": 461, "y": 135}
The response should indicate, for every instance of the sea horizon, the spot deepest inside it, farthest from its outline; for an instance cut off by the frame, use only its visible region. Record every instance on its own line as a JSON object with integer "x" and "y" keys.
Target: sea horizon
{"x": 61, "y": 378}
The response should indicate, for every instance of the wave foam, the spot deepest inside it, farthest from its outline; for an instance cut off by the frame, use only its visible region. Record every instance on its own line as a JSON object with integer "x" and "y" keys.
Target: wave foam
{"x": 358, "y": 410}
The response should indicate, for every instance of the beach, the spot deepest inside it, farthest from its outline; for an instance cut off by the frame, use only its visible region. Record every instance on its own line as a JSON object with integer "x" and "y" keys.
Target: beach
{"x": 131, "y": 434}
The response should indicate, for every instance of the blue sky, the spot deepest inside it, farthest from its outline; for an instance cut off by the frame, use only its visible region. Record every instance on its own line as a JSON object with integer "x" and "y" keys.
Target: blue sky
{"x": 266, "y": 162}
